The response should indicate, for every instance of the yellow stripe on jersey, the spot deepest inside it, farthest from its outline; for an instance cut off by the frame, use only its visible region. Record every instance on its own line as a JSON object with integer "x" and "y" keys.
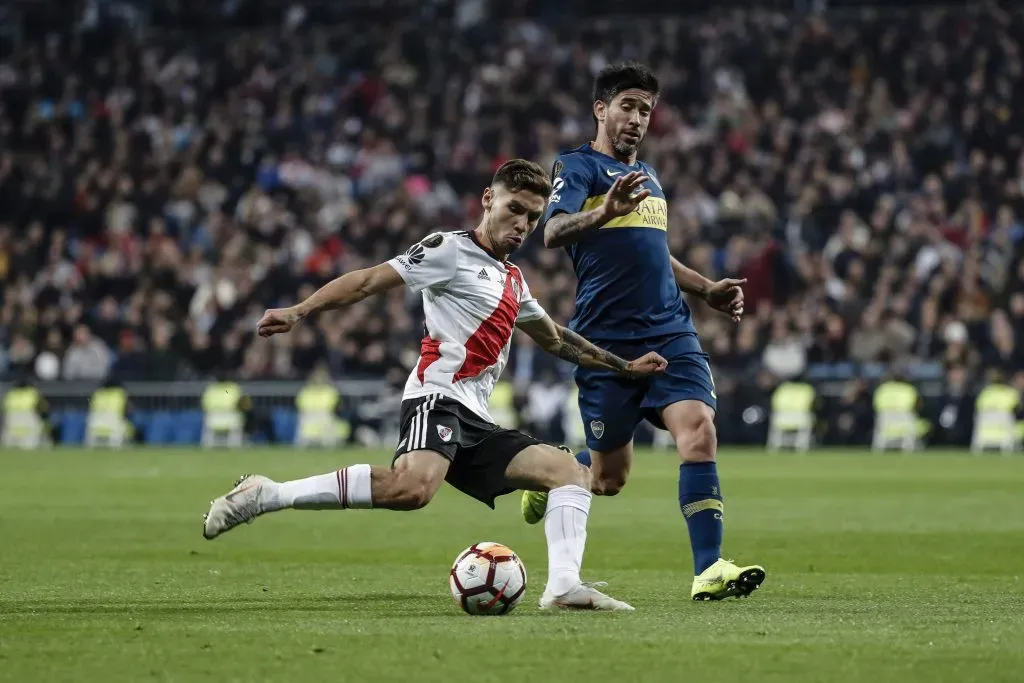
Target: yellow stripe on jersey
{"x": 652, "y": 213}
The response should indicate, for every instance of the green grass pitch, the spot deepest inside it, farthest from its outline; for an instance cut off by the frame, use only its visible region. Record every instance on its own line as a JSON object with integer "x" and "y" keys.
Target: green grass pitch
{"x": 880, "y": 568}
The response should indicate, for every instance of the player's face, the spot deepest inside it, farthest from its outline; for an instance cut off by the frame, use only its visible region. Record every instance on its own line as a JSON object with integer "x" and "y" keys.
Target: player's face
{"x": 624, "y": 120}
{"x": 510, "y": 216}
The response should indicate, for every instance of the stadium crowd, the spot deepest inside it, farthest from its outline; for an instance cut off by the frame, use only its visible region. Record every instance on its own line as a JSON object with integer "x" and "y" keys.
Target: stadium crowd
{"x": 160, "y": 188}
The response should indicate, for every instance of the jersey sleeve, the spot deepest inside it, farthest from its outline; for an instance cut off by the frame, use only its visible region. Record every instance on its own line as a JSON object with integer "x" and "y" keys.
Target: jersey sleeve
{"x": 429, "y": 263}
{"x": 529, "y": 308}
{"x": 571, "y": 180}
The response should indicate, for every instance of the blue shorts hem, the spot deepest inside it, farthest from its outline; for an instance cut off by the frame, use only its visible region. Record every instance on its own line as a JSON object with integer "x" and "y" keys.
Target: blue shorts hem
{"x": 615, "y": 406}
{"x": 653, "y": 415}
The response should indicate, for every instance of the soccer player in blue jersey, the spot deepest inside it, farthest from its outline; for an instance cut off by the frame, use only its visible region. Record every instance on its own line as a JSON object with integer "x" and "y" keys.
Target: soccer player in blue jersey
{"x": 609, "y": 212}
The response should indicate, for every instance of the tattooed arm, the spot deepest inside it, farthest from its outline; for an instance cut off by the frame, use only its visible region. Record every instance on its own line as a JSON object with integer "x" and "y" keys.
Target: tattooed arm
{"x": 568, "y": 345}
{"x": 577, "y": 350}
{"x": 622, "y": 197}
{"x": 565, "y": 228}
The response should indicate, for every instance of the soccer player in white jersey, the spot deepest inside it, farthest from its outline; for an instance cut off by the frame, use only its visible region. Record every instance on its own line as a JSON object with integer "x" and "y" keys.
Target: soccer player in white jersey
{"x": 472, "y": 298}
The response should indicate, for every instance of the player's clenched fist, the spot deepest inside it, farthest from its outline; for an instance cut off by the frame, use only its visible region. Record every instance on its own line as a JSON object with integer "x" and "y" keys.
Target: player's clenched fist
{"x": 727, "y": 296}
{"x": 622, "y": 197}
{"x": 648, "y": 364}
{"x": 277, "y": 321}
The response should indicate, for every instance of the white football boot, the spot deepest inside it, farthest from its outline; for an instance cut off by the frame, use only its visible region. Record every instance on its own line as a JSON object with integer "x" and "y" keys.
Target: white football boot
{"x": 243, "y": 503}
{"x": 585, "y": 596}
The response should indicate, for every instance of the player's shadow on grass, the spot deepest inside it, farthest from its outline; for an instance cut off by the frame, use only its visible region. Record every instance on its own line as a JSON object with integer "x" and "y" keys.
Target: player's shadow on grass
{"x": 377, "y": 605}
{"x": 405, "y": 605}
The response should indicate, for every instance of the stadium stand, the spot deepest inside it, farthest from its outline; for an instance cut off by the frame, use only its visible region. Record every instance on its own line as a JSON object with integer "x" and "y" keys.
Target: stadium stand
{"x": 165, "y": 177}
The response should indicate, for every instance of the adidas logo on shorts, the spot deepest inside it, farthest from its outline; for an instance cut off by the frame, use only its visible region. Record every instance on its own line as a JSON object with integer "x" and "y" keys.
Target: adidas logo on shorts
{"x": 482, "y": 275}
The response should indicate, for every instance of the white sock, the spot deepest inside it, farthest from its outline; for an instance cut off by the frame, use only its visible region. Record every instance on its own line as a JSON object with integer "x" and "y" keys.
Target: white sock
{"x": 565, "y": 525}
{"x": 345, "y": 488}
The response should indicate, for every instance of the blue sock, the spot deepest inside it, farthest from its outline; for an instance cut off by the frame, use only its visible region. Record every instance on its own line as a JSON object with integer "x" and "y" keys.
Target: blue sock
{"x": 700, "y": 499}
{"x": 583, "y": 458}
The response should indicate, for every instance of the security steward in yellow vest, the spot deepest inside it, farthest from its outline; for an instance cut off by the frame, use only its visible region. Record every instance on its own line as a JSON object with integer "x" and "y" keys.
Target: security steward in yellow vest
{"x": 320, "y": 396}
{"x": 113, "y": 399}
{"x": 999, "y": 397}
{"x": 24, "y": 397}
{"x": 897, "y": 395}
{"x": 796, "y": 396}
{"x": 225, "y": 395}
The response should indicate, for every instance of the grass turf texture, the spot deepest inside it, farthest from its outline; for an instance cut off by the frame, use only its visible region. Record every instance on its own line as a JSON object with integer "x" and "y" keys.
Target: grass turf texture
{"x": 892, "y": 568}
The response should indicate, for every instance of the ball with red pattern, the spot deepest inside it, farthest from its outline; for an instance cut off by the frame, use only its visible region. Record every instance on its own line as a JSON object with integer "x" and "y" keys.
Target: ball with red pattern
{"x": 487, "y": 578}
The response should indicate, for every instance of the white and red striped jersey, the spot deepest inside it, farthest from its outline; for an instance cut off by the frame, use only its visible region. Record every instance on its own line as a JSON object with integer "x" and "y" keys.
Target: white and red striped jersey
{"x": 472, "y": 302}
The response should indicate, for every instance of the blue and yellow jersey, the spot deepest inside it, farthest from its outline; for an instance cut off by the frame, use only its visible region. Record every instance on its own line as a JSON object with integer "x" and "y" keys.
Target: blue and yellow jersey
{"x": 626, "y": 288}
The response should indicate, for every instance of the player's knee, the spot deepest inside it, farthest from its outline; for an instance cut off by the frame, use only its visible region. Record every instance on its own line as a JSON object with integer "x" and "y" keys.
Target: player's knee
{"x": 699, "y": 441}
{"x": 611, "y": 470}
{"x": 563, "y": 470}
{"x": 580, "y": 475}
{"x": 609, "y": 484}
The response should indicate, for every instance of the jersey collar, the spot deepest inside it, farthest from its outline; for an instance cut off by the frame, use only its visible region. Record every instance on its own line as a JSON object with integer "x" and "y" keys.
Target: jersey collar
{"x": 472, "y": 236}
{"x": 589, "y": 147}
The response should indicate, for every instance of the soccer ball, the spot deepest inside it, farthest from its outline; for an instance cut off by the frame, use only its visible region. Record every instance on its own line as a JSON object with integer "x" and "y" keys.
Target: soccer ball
{"x": 487, "y": 578}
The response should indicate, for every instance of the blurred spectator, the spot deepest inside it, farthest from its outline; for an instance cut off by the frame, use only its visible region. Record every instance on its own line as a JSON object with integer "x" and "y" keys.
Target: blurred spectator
{"x": 48, "y": 362}
{"x": 785, "y": 355}
{"x": 952, "y": 413}
{"x": 748, "y": 421}
{"x": 87, "y": 357}
{"x": 849, "y": 418}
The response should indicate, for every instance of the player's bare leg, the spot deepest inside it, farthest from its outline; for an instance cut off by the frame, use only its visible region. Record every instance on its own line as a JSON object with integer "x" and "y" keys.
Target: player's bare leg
{"x": 409, "y": 485}
{"x": 609, "y": 471}
{"x": 545, "y": 468}
{"x": 692, "y": 426}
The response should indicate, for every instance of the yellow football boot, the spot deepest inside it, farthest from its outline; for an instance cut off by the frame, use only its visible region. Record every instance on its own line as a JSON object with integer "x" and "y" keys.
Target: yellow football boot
{"x": 534, "y": 504}
{"x": 724, "y": 579}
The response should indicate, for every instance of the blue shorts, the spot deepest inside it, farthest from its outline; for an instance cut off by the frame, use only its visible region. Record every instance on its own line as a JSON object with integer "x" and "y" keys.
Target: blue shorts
{"x": 612, "y": 406}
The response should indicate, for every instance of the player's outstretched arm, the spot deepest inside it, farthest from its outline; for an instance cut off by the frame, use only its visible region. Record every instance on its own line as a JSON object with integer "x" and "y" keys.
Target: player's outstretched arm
{"x": 622, "y": 198}
{"x": 568, "y": 345}
{"x": 338, "y": 293}
{"x": 725, "y": 295}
